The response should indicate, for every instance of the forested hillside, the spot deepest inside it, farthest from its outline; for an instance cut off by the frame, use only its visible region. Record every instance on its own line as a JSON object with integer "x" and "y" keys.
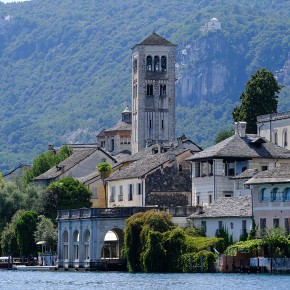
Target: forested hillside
{"x": 65, "y": 65}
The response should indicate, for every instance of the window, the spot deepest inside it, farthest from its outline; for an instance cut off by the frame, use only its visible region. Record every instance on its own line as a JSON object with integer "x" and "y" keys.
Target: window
{"x": 149, "y": 90}
{"x": 65, "y": 245}
{"x": 156, "y": 63}
{"x": 87, "y": 244}
{"x": 112, "y": 144}
{"x": 232, "y": 225}
{"x": 276, "y": 138}
{"x": 197, "y": 199}
{"x": 264, "y": 167}
{"x": 139, "y": 188}
{"x": 130, "y": 192}
{"x": 76, "y": 239}
{"x": 287, "y": 194}
{"x": 95, "y": 192}
{"x": 162, "y": 90}
{"x": 277, "y": 195}
{"x": 220, "y": 225}
{"x": 149, "y": 63}
{"x": 120, "y": 197}
{"x": 203, "y": 226}
{"x": 135, "y": 65}
{"x": 265, "y": 195}
{"x": 276, "y": 222}
{"x": 244, "y": 228}
{"x": 112, "y": 196}
{"x": 103, "y": 144}
{"x": 210, "y": 198}
{"x": 285, "y": 139}
{"x": 287, "y": 225}
{"x": 263, "y": 224}
{"x": 163, "y": 63}
{"x": 162, "y": 124}
{"x": 150, "y": 123}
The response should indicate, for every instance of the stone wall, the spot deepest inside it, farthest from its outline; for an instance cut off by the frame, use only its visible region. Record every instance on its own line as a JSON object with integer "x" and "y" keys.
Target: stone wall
{"x": 168, "y": 187}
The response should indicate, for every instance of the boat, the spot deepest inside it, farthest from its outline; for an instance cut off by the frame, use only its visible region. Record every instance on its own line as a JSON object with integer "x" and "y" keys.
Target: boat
{"x": 6, "y": 262}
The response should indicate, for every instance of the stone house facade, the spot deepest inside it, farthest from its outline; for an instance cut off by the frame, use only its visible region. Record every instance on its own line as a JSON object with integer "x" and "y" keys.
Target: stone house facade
{"x": 161, "y": 179}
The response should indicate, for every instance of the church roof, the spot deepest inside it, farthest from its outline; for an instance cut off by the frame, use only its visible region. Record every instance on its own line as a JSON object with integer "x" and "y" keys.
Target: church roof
{"x": 120, "y": 126}
{"x": 155, "y": 39}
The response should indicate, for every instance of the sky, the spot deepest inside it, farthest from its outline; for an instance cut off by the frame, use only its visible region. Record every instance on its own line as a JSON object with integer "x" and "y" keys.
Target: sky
{"x": 7, "y": 1}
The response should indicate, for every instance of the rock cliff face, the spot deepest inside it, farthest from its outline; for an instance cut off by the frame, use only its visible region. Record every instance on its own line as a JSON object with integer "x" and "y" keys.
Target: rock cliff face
{"x": 209, "y": 69}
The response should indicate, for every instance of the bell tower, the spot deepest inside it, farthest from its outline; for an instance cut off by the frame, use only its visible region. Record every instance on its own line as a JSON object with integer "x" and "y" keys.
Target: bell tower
{"x": 153, "y": 92}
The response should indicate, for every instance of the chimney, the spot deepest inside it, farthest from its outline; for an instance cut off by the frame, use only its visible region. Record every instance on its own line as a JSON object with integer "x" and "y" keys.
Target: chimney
{"x": 240, "y": 128}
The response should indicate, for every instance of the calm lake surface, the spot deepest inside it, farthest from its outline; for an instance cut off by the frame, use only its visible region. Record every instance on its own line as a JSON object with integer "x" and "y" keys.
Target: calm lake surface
{"x": 116, "y": 280}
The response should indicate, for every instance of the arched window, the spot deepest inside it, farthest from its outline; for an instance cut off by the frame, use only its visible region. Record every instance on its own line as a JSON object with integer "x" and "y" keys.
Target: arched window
{"x": 163, "y": 63}
{"x": 76, "y": 239}
{"x": 265, "y": 195}
{"x": 65, "y": 245}
{"x": 276, "y": 194}
{"x": 276, "y": 138}
{"x": 287, "y": 194}
{"x": 87, "y": 237}
{"x": 156, "y": 63}
{"x": 149, "y": 63}
{"x": 285, "y": 137}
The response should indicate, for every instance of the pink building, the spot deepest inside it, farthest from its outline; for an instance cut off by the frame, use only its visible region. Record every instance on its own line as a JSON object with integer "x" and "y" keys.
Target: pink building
{"x": 271, "y": 198}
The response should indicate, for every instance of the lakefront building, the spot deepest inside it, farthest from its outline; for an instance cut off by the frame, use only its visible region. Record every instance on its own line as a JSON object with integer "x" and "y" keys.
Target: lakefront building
{"x": 214, "y": 168}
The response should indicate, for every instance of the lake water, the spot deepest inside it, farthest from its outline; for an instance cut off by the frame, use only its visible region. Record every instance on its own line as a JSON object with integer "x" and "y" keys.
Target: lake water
{"x": 116, "y": 280}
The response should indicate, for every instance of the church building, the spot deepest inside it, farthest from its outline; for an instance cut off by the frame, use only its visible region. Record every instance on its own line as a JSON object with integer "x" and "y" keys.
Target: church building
{"x": 153, "y": 92}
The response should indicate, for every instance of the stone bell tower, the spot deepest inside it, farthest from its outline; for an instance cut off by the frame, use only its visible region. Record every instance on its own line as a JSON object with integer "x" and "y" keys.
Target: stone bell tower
{"x": 153, "y": 92}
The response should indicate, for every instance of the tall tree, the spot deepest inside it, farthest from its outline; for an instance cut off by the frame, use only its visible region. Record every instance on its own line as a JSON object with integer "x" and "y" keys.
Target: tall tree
{"x": 105, "y": 169}
{"x": 259, "y": 98}
{"x": 25, "y": 226}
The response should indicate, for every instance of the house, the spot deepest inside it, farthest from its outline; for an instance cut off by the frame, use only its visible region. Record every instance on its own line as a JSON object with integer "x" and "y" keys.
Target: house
{"x": 82, "y": 162}
{"x": 16, "y": 173}
{"x": 271, "y": 198}
{"x": 275, "y": 127}
{"x": 159, "y": 178}
{"x": 233, "y": 214}
{"x": 118, "y": 138}
{"x": 214, "y": 167}
{"x": 94, "y": 183}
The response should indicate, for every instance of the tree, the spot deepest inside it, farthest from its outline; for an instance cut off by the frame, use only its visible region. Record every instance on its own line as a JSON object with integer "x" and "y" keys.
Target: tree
{"x": 25, "y": 227}
{"x": 67, "y": 193}
{"x": 259, "y": 98}
{"x": 46, "y": 231}
{"x": 105, "y": 169}
{"x": 222, "y": 135}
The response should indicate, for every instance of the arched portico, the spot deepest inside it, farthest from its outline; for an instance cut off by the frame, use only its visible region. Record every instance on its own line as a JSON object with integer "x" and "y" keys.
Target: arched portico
{"x": 83, "y": 239}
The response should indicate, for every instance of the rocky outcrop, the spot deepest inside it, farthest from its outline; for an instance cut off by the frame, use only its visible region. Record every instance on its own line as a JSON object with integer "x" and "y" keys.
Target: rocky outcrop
{"x": 209, "y": 69}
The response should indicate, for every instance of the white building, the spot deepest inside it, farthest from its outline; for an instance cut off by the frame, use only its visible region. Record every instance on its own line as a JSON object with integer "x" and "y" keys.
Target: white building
{"x": 231, "y": 214}
{"x": 213, "y": 24}
{"x": 213, "y": 168}
{"x": 275, "y": 128}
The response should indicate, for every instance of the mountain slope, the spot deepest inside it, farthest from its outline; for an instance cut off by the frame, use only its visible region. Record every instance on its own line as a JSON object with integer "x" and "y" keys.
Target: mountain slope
{"x": 65, "y": 66}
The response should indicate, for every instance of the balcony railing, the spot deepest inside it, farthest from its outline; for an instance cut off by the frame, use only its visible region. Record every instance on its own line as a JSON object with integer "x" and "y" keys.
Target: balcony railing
{"x": 101, "y": 212}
